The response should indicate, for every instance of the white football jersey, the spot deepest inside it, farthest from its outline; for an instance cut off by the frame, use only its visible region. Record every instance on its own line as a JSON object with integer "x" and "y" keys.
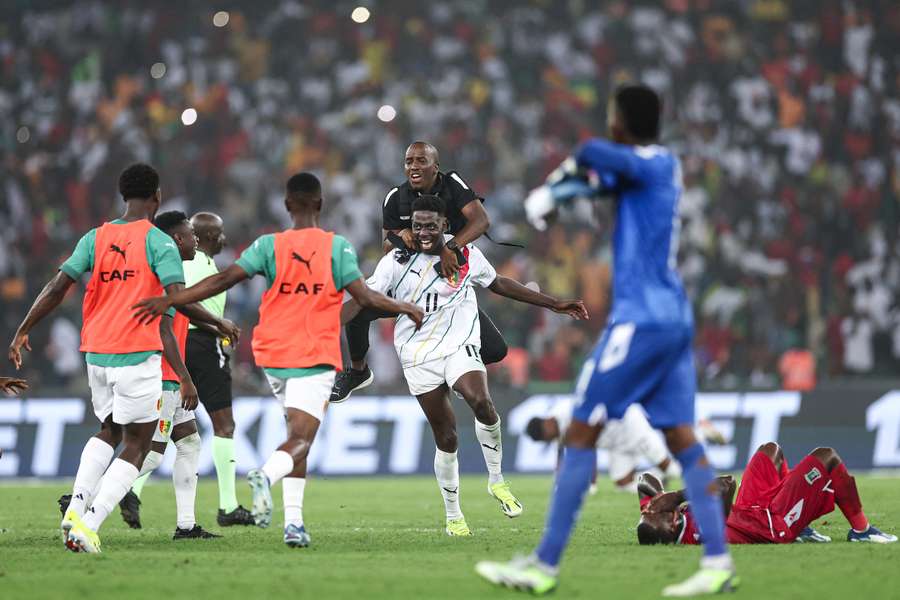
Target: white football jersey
{"x": 451, "y": 310}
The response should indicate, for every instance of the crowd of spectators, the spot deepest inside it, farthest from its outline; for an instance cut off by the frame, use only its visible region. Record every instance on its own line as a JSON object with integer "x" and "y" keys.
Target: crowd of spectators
{"x": 786, "y": 114}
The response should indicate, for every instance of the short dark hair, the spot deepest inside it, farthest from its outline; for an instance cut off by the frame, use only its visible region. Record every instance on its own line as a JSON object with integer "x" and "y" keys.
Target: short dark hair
{"x": 140, "y": 180}
{"x": 535, "y": 429}
{"x": 641, "y": 110}
{"x": 169, "y": 220}
{"x": 305, "y": 184}
{"x": 430, "y": 202}
{"x": 647, "y": 534}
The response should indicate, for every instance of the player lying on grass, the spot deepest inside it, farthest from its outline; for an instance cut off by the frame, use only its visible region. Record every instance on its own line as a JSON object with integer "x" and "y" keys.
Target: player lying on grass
{"x": 775, "y": 505}
{"x": 445, "y": 353}
{"x": 629, "y": 441}
{"x": 297, "y": 340}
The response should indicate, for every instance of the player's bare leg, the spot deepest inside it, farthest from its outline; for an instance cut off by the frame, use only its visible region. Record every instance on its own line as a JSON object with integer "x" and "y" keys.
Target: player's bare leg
{"x": 716, "y": 572}
{"x": 436, "y": 406}
{"x": 302, "y": 428}
{"x": 473, "y": 387}
{"x": 846, "y": 496}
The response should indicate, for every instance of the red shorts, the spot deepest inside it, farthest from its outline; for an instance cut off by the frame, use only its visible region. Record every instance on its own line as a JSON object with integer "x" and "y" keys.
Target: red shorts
{"x": 776, "y": 513}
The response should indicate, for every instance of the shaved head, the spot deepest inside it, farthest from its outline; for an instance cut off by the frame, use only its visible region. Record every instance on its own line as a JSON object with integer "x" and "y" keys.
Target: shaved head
{"x": 425, "y": 147}
{"x": 210, "y": 231}
{"x": 421, "y": 165}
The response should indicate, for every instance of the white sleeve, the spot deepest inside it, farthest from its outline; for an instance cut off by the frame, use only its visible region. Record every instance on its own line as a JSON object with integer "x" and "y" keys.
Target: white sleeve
{"x": 481, "y": 271}
{"x": 383, "y": 278}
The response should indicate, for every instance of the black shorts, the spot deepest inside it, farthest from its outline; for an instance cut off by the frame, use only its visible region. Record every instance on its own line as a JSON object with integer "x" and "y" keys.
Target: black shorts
{"x": 208, "y": 365}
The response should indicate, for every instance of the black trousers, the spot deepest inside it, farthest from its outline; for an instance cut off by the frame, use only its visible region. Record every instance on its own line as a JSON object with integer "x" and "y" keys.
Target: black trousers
{"x": 493, "y": 346}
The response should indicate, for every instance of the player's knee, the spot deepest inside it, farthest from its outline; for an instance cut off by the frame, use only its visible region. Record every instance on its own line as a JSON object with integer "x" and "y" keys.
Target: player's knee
{"x": 772, "y": 450}
{"x": 446, "y": 440}
{"x": 828, "y": 456}
{"x": 483, "y": 408}
{"x": 223, "y": 429}
{"x": 111, "y": 433}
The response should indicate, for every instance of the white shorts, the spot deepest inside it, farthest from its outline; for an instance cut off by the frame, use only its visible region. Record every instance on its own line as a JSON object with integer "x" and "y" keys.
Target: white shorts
{"x": 130, "y": 394}
{"x": 432, "y": 374}
{"x": 631, "y": 441}
{"x": 309, "y": 394}
{"x": 171, "y": 414}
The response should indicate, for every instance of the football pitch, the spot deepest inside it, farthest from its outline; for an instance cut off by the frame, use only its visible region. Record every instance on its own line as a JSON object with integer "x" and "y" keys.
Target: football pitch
{"x": 383, "y": 538}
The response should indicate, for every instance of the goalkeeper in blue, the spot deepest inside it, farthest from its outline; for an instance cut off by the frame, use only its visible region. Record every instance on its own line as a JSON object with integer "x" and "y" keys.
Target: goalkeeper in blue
{"x": 644, "y": 354}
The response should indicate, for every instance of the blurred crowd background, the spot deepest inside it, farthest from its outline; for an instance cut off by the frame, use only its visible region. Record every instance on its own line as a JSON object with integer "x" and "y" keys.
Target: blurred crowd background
{"x": 786, "y": 115}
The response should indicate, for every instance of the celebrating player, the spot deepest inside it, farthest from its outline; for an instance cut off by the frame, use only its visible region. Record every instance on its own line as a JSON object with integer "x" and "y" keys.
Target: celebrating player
{"x": 775, "y": 504}
{"x": 128, "y": 258}
{"x": 644, "y": 354}
{"x": 208, "y": 363}
{"x": 179, "y": 399}
{"x": 445, "y": 353}
{"x": 629, "y": 441}
{"x": 297, "y": 341}
{"x": 466, "y": 221}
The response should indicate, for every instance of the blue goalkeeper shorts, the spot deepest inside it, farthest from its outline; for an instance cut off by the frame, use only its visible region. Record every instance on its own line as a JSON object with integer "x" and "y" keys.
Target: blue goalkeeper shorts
{"x": 651, "y": 364}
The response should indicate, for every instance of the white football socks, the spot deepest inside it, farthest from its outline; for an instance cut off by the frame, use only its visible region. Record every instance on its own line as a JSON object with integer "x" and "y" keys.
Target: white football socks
{"x": 94, "y": 459}
{"x": 113, "y": 486}
{"x": 446, "y": 470}
{"x": 293, "y": 488}
{"x": 184, "y": 477}
{"x": 279, "y": 465}
{"x": 153, "y": 460}
{"x": 492, "y": 448}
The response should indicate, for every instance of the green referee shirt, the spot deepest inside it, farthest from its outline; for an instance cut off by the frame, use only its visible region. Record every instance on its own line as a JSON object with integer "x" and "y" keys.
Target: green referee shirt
{"x": 198, "y": 269}
{"x": 165, "y": 261}
{"x": 260, "y": 258}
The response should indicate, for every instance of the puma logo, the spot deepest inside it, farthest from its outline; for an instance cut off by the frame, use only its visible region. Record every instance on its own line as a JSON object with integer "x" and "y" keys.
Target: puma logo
{"x": 413, "y": 271}
{"x": 117, "y": 250}
{"x": 449, "y": 491}
{"x": 305, "y": 261}
{"x": 494, "y": 448}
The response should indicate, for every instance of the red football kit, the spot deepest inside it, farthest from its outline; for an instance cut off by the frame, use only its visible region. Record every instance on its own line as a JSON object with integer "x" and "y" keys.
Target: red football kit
{"x": 772, "y": 507}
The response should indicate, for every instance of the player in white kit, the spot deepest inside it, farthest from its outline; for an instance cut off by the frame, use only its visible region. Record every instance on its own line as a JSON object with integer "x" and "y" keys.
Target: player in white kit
{"x": 445, "y": 353}
{"x": 630, "y": 442}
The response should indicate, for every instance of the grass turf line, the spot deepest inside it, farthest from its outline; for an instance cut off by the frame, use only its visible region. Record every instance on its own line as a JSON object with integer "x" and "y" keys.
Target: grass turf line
{"x": 383, "y": 538}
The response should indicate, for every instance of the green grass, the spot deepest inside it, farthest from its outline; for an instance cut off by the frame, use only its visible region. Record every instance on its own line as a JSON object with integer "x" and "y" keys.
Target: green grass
{"x": 382, "y": 538}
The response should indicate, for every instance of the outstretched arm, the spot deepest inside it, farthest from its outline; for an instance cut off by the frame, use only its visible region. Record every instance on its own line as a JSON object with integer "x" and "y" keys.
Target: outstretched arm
{"x": 510, "y": 288}
{"x": 172, "y": 354}
{"x": 49, "y": 298}
{"x": 366, "y": 297}
{"x": 150, "y": 308}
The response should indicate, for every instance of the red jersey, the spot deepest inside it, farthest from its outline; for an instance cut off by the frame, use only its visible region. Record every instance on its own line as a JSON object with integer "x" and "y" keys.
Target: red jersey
{"x": 773, "y": 507}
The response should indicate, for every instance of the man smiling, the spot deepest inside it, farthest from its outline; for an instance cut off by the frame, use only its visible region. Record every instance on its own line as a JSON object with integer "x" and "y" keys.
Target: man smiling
{"x": 445, "y": 353}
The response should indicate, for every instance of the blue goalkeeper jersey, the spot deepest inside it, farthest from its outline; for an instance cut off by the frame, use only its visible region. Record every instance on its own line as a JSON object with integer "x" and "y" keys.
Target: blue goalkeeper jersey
{"x": 646, "y": 285}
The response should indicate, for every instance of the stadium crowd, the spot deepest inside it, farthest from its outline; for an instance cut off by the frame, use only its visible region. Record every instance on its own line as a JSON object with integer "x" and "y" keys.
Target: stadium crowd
{"x": 786, "y": 115}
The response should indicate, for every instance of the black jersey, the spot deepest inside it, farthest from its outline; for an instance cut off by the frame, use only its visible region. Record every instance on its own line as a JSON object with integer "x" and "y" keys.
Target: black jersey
{"x": 397, "y": 208}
